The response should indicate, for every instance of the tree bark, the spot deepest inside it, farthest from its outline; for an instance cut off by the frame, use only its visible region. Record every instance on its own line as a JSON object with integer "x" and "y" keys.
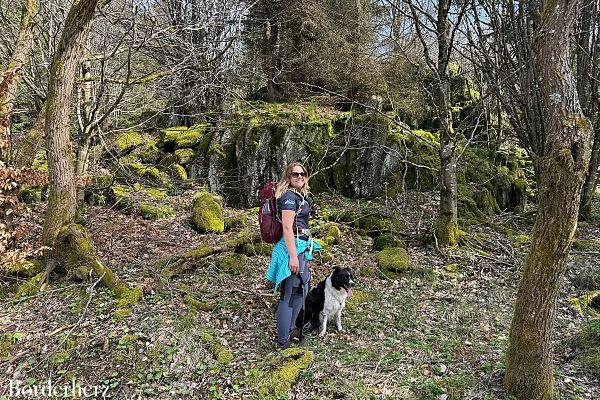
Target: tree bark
{"x": 34, "y": 141}
{"x": 10, "y": 78}
{"x": 589, "y": 187}
{"x": 446, "y": 225}
{"x": 563, "y": 168}
{"x": 61, "y": 168}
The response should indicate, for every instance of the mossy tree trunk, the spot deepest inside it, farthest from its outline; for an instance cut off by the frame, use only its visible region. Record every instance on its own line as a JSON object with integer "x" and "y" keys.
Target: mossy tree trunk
{"x": 61, "y": 169}
{"x": 446, "y": 225}
{"x": 563, "y": 168}
{"x": 587, "y": 54}
{"x": 10, "y": 77}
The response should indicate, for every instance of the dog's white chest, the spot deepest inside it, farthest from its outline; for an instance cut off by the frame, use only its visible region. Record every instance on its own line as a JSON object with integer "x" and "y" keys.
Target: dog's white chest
{"x": 334, "y": 301}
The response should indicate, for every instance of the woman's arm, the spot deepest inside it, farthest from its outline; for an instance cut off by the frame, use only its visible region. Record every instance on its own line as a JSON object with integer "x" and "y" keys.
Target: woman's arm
{"x": 287, "y": 217}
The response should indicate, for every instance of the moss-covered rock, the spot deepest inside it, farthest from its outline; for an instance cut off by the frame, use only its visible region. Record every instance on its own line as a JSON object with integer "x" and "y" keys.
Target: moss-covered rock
{"x": 158, "y": 194}
{"x": 286, "y": 371}
{"x": 358, "y": 297}
{"x": 121, "y": 196}
{"x": 150, "y": 154}
{"x": 234, "y": 263}
{"x": 184, "y": 156}
{"x": 333, "y": 234}
{"x": 177, "y": 172}
{"x": 24, "y": 268}
{"x": 180, "y": 137}
{"x": 127, "y": 141}
{"x": 264, "y": 249}
{"x": 207, "y": 214}
{"x": 236, "y": 222}
{"x": 221, "y": 353}
{"x": 393, "y": 260}
{"x": 30, "y": 195}
{"x": 155, "y": 212}
{"x": 386, "y": 240}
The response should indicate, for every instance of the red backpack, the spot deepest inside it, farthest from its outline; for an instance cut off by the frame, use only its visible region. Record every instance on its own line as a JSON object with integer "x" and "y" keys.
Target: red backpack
{"x": 271, "y": 229}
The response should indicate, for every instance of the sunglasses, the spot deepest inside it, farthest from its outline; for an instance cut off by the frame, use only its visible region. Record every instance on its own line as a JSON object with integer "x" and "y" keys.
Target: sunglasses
{"x": 298, "y": 174}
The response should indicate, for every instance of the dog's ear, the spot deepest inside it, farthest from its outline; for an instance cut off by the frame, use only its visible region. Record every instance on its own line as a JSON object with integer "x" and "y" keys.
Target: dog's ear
{"x": 336, "y": 268}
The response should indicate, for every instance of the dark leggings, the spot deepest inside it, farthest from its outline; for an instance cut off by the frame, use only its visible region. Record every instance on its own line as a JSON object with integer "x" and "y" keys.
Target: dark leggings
{"x": 290, "y": 301}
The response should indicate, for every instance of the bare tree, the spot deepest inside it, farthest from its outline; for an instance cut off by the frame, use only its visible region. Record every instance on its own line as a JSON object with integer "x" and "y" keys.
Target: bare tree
{"x": 61, "y": 174}
{"x": 562, "y": 170}
{"x": 443, "y": 26}
{"x": 10, "y": 77}
{"x": 587, "y": 71}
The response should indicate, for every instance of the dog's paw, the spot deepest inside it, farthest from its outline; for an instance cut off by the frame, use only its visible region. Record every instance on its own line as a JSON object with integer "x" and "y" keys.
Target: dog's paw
{"x": 322, "y": 333}
{"x": 340, "y": 329}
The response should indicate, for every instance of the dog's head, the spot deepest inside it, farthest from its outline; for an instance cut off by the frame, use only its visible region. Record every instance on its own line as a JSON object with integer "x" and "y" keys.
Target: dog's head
{"x": 342, "y": 279}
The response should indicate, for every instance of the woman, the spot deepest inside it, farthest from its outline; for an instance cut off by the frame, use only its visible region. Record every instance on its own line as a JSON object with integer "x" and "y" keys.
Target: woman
{"x": 288, "y": 265}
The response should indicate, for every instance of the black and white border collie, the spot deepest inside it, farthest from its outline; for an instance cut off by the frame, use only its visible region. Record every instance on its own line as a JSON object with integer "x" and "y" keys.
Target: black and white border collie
{"x": 326, "y": 302}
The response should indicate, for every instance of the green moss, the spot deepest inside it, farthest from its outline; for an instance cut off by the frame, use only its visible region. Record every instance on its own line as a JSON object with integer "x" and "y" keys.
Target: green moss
{"x": 393, "y": 260}
{"x": 234, "y": 263}
{"x": 521, "y": 240}
{"x": 31, "y": 287}
{"x": 486, "y": 202}
{"x": 183, "y": 137}
{"x": 7, "y": 344}
{"x": 40, "y": 162}
{"x": 386, "y": 240}
{"x": 121, "y": 313}
{"x": 358, "y": 297}
{"x": 127, "y": 296}
{"x": 239, "y": 221}
{"x": 447, "y": 232}
{"x": 207, "y": 215}
{"x": 158, "y": 194}
{"x": 25, "y": 268}
{"x": 582, "y": 303}
{"x": 264, "y": 249}
{"x": 148, "y": 172}
{"x": 120, "y": 195}
{"x": 152, "y": 212}
{"x": 30, "y": 195}
{"x": 178, "y": 172}
{"x": 290, "y": 363}
{"x": 452, "y": 268}
{"x": 184, "y": 156}
{"x": 586, "y": 244}
{"x": 150, "y": 153}
{"x": 333, "y": 233}
{"x": 198, "y": 305}
{"x": 127, "y": 141}
{"x": 221, "y": 353}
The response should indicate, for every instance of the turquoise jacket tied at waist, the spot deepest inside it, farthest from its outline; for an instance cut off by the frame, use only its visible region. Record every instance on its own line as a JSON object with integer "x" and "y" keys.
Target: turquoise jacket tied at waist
{"x": 279, "y": 268}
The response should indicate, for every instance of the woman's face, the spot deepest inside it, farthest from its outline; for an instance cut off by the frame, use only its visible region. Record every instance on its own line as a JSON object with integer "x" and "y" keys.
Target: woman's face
{"x": 297, "y": 177}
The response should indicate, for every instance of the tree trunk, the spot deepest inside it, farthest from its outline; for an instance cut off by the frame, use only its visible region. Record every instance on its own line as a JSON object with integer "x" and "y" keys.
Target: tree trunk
{"x": 10, "y": 78}
{"x": 446, "y": 225}
{"x": 589, "y": 187}
{"x": 34, "y": 141}
{"x": 61, "y": 169}
{"x": 271, "y": 33}
{"x": 563, "y": 168}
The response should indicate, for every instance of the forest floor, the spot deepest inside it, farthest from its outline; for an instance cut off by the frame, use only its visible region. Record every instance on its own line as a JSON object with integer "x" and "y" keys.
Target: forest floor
{"x": 440, "y": 333}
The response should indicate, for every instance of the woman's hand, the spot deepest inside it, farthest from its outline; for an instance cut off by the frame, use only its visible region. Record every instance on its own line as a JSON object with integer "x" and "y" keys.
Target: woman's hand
{"x": 294, "y": 264}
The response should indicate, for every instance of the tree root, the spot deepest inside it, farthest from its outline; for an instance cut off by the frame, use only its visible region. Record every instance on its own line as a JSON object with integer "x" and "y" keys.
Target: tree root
{"x": 177, "y": 264}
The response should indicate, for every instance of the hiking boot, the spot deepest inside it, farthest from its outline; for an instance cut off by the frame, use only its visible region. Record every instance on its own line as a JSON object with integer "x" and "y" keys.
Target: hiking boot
{"x": 283, "y": 346}
{"x": 295, "y": 334}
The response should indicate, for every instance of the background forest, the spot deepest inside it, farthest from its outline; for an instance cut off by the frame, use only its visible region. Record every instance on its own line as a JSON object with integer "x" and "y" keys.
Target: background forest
{"x": 454, "y": 151}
